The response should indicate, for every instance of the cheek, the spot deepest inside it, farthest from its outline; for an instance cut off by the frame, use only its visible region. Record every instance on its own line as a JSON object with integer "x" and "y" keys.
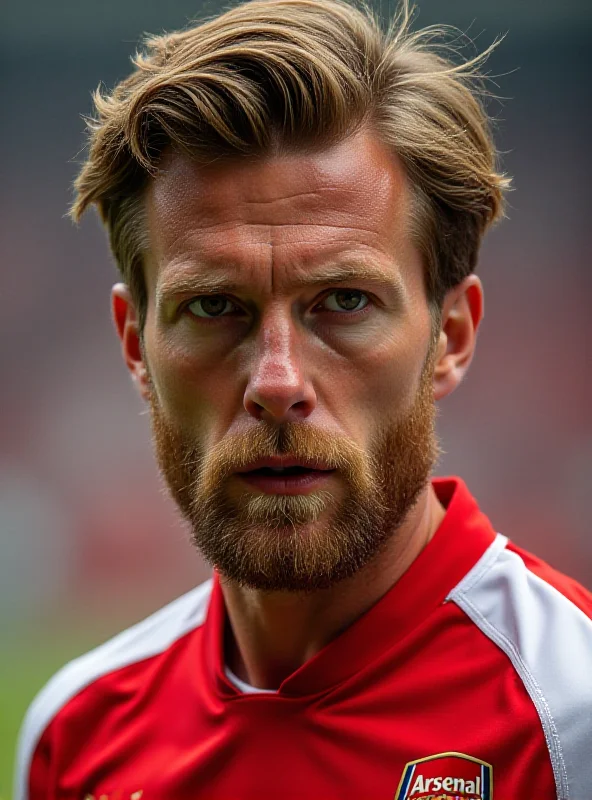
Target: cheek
{"x": 191, "y": 385}
{"x": 391, "y": 375}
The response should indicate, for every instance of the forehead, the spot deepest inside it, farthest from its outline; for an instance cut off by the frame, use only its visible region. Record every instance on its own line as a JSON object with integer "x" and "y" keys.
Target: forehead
{"x": 286, "y": 209}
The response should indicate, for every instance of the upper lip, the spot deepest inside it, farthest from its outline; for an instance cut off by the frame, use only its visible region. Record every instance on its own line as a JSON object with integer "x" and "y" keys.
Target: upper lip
{"x": 284, "y": 461}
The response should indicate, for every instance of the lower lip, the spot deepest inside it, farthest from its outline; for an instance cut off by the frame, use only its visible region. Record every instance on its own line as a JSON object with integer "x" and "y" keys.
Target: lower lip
{"x": 292, "y": 484}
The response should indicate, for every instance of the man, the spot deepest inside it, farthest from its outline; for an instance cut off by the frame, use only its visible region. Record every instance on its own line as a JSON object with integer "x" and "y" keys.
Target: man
{"x": 296, "y": 203}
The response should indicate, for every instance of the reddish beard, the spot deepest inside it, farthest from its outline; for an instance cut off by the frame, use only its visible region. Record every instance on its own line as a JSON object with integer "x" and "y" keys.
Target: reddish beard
{"x": 299, "y": 542}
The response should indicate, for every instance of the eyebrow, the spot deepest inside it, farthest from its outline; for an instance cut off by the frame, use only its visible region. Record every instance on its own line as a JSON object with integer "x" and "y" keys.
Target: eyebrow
{"x": 334, "y": 274}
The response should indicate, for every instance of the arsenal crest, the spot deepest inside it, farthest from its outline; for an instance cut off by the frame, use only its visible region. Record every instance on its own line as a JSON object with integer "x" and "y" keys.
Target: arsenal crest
{"x": 446, "y": 776}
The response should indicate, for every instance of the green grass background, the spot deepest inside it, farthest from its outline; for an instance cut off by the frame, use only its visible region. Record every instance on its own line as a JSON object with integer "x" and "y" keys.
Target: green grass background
{"x": 28, "y": 660}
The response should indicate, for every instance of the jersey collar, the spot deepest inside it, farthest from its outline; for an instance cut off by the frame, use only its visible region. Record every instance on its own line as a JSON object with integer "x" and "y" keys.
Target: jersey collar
{"x": 463, "y": 536}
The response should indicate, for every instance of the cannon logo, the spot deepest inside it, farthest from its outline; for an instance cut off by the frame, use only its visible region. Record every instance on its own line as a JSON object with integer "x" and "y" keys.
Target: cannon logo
{"x": 446, "y": 776}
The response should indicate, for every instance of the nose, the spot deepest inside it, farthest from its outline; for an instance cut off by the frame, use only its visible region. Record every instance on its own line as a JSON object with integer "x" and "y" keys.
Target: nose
{"x": 279, "y": 389}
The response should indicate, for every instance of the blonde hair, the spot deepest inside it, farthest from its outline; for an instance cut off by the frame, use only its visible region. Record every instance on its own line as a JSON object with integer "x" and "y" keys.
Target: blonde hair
{"x": 285, "y": 74}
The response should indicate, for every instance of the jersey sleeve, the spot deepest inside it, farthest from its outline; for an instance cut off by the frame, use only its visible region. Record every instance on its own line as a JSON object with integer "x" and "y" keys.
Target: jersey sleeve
{"x": 537, "y": 618}
{"x": 33, "y": 756}
{"x": 41, "y": 740}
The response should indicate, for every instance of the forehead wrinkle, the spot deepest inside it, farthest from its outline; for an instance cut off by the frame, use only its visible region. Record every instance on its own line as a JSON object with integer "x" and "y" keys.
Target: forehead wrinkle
{"x": 190, "y": 252}
{"x": 284, "y": 197}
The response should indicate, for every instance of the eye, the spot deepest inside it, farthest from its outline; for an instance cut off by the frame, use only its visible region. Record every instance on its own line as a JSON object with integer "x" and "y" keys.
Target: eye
{"x": 347, "y": 300}
{"x": 208, "y": 306}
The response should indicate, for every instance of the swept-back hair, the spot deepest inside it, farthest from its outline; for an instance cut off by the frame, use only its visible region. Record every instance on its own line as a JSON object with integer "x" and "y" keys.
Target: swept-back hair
{"x": 270, "y": 75}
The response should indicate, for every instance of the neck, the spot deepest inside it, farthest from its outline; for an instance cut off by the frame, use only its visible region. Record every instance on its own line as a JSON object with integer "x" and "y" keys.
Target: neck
{"x": 271, "y": 635}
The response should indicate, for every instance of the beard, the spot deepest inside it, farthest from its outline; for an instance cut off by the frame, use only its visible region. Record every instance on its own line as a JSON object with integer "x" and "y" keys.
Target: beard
{"x": 306, "y": 542}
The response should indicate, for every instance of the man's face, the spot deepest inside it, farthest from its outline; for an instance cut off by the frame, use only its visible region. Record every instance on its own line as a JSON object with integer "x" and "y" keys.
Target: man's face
{"x": 339, "y": 372}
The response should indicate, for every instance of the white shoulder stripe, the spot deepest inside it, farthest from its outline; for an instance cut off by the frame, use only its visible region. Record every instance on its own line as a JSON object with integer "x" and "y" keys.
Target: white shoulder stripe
{"x": 148, "y": 638}
{"x": 548, "y": 639}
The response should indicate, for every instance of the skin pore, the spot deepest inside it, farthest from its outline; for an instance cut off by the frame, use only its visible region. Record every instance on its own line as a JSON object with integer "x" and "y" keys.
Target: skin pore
{"x": 269, "y": 363}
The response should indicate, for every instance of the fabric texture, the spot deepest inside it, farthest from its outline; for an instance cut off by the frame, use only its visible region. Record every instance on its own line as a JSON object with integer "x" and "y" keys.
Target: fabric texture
{"x": 471, "y": 678}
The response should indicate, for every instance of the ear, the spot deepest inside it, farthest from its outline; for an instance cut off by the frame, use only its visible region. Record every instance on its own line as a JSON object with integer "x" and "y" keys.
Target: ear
{"x": 462, "y": 311}
{"x": 127, "y": 324}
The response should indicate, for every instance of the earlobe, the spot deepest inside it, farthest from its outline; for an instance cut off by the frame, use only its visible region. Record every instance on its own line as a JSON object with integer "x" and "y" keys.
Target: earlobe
{"x": 462, "y": 312}
{"x": 127, "y": 325}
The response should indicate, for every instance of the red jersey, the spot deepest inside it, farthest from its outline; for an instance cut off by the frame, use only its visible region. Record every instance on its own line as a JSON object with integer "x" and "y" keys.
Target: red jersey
{"x": 471, "y": 678}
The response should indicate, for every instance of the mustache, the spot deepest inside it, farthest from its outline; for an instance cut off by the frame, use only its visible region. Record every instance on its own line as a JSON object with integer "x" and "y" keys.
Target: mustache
{"x": 235, "y": 452}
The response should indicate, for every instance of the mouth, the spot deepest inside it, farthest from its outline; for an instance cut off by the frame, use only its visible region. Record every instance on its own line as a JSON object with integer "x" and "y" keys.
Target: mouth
{"x": 287, "y": 480}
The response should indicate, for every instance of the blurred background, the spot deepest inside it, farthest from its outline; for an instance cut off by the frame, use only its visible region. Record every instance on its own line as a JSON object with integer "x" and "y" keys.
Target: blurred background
{"x": 89, "y": 543}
